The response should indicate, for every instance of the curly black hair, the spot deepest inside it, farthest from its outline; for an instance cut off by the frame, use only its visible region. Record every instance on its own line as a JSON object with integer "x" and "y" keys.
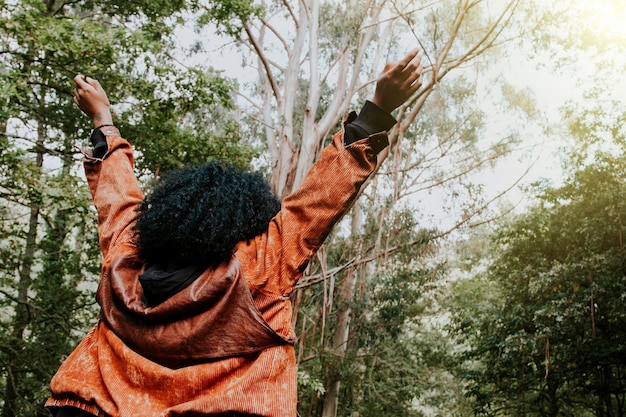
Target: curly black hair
{"x": 199, "y": 214}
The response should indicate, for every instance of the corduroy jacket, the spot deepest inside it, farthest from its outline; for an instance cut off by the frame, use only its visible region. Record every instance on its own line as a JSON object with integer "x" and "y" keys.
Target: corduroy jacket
{"x": 224, "y": 344}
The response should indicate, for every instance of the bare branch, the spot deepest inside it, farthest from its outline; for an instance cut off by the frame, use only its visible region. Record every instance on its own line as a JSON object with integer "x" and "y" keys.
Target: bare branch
{"x": 280, "y": 38}
{"x": 420, "y": 242}
{"x": 329, "y": 117}
{"x": 264, "y": 62}
{"x": 483, "y": 44}
{"x": 291, "y": 13}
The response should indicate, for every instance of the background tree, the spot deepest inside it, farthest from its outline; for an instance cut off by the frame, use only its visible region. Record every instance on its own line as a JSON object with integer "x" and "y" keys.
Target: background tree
{"x": 49, "y": 254}
{"x": 546, "y": 338}
{"x": 315, "y": 61}
{"x": 307, "y": 50}
{"x": 551, "y": 342}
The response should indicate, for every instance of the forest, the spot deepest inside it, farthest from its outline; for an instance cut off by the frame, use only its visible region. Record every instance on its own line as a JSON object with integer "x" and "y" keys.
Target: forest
{"x": 482, "y": 272}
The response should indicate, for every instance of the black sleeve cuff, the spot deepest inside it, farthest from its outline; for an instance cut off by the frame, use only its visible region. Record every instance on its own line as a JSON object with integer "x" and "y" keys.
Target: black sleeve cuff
{"x": 99, "y": 140}
{"x": 372, "y": 119}
{"x": 99, "y": 143}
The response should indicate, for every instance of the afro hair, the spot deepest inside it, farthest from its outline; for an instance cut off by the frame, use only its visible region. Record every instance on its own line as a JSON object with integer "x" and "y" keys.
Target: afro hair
{"x": 199, "y": 214}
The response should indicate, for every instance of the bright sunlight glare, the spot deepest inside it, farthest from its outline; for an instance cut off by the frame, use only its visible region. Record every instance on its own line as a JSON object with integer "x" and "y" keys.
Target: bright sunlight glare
{"x": 604, "y": 18}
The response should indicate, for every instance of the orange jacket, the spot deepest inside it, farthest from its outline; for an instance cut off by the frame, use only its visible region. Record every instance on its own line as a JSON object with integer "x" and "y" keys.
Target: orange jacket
{"x": 224, "y": 344}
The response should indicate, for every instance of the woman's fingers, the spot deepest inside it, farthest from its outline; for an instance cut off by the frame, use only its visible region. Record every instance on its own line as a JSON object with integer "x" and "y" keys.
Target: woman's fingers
{"x": 406, "y": 61}
{"x": 80, "y": 81}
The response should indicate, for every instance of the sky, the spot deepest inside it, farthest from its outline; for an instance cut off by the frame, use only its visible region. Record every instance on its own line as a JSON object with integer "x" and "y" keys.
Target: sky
{"x": 538, "y": 158}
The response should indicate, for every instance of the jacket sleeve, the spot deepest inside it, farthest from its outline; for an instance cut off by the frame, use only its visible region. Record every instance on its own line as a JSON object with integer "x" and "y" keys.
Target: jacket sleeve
{"x": 116, "y": 194}
{"x": 274, "y": 262}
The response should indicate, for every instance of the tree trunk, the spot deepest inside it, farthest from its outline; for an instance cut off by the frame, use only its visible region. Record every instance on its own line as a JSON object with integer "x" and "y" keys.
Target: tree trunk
{"x": 22, "y": 314}
{"x": 342, "y": 329}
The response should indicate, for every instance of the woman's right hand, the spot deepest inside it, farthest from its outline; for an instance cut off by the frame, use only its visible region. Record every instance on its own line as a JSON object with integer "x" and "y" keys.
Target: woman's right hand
{"x": 398, "y": 82}
{"x": 91, "y": 98}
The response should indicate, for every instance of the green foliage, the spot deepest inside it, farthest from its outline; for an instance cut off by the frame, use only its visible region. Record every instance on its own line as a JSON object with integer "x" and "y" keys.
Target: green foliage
{"x": 339, "y": 33}
{"x": 389, "y": 349}
{"x": 382, "y": 371}
{"x": 597, "y": 123}
{"x": 392, "y": 347}
{"x": 230, "y": 16}
{"x": 549, "y": 340}
{"x": 66, "y": 256}
{"x": 183, "y": 123}
{"x": 49, "y": 253}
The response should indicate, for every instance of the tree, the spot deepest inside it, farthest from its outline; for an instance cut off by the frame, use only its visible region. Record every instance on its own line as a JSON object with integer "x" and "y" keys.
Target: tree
{"x": 531, "y": 322}
{"x": 307, "y": 50}
{"x": 548, "y": 339}
{"x": 49, "y": 250}
{"x": 552, "y": 343}
{"x": 312, "y": 68}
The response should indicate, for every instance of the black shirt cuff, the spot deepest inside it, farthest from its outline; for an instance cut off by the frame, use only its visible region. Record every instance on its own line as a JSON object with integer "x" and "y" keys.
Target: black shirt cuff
{"x": 99, "y": 143}
{"x": 372, "y": 119}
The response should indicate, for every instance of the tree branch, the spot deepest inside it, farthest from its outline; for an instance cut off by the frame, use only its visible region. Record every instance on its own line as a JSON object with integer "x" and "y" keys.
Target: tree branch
{"x": 264, "y": 62}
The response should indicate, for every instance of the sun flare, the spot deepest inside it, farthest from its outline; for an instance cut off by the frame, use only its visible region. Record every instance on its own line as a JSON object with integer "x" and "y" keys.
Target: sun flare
{"x": 604, "y": 18}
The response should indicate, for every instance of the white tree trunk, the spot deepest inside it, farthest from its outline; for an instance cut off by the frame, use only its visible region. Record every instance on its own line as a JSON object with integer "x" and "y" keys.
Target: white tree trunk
{"x": 294, "y": 148}
{"x": 342, "y": 329}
